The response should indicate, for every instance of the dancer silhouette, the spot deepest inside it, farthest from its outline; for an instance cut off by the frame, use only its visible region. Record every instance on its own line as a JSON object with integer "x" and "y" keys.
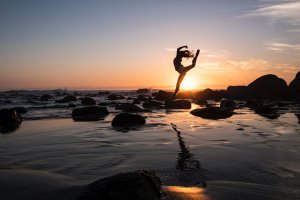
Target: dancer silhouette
{"x": 180, "y": 68}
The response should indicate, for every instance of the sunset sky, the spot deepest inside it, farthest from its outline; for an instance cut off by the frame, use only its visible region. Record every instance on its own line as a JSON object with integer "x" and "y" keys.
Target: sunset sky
{"x": 96, "y": 44}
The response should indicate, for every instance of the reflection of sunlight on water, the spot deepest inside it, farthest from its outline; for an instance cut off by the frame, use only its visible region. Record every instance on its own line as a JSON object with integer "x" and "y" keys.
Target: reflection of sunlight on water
{"x": 177, "y": 192}
{"x": 283, "y": 130}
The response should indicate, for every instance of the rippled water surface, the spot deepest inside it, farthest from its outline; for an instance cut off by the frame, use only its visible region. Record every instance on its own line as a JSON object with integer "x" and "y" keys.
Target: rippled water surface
{"x": 245, "y": 147}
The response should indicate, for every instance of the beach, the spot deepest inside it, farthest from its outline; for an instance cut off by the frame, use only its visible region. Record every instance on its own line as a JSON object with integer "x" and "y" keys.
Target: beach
{"x": 246, "y": 156}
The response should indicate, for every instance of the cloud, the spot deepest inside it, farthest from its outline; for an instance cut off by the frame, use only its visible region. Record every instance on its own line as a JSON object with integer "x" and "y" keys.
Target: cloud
{"x": 278, "y": 11}
{"x": 275, "y": 46}
{"x": 170, "y": 49}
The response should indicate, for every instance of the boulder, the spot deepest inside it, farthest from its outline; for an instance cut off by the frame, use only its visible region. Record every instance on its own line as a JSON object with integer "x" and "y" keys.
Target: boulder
{"x": 298, "y": 117}
{"x": 113, "y": 97}
{"x": 153, "y": 104}
{"x": 128, "y": 107}
{"x": 67, "y": 99}
{"x": 9, "y": 120}
{"x": 237, "y": 92}
{"x": 90, "y": 113}
{"x": 163, "y": 95}
{"x": 143, "y": 90}
{"x": 212, "y": 113}
{"x": 178, "y": 104}
{"x": 294, "y": 86}
{"x": 267, "y": 87}
{"x": 88, "y": 101}
{"x": 127, "y": 120}
{"x": 138, "y": 185}
{"x": 45, "y": 97}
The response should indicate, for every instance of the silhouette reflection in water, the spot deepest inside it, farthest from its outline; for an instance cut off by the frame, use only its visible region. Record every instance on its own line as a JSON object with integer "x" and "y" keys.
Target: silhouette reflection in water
{"x": 191, "y": 172}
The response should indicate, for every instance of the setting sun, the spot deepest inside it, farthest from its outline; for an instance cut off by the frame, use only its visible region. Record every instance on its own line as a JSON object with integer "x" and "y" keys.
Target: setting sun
{"x": 189, "y": 83}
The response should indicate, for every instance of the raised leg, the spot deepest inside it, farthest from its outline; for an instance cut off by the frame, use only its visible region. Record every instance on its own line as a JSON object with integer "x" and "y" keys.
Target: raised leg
{"x": 179, "y": 80}
{"x": 188, "y": 68}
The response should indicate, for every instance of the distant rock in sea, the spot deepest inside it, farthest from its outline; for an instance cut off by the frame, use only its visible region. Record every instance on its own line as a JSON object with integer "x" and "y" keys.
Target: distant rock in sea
{"x": 90, "y": 113}
{"x": 268, "y": 86}
{"x": 127, "y": 120}
{"x": 143, "y": 90}
{"x": 136, "y": 185}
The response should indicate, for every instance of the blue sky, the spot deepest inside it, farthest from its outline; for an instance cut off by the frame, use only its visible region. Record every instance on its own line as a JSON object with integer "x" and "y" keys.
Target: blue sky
{"x": 130, "y": 43}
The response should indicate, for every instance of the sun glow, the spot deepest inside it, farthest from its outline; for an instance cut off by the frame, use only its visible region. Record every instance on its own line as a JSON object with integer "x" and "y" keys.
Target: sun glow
{"x": 189, "y": 83}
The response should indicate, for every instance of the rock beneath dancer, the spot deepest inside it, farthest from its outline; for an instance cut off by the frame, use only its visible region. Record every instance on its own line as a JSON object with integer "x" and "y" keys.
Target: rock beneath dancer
{"x": 180, "y": 68}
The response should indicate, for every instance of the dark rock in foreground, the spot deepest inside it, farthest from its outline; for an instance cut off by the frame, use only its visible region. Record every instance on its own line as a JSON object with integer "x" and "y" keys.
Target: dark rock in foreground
{"x": 138, "y": 185}
{"x": 127, "y": 120}
{"x": 212, "y": 113}
{"x": 227, "y": 104}
{"x": 178, "y": 104}
{"x": 163, "y": 95}
{"x": 268, "y": 86}
{"x": 67, "y": 99}
{"x": 10, "y": 120}
{"x": 153, "y": 104}
{"x": 295, "y": 84}
{"x": 88, "y": 101}
{"x": 266, "y": 111}
{"x": 91, "y": 113}
{"x": 20, "y": 110}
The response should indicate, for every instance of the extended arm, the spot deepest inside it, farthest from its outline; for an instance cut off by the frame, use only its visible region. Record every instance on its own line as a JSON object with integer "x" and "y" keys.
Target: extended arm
{"x": 179, "y": 48}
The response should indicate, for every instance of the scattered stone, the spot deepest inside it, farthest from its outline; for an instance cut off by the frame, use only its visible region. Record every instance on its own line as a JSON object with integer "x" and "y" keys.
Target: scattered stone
{"x": 90, "y": 113}
{"x": 163, "y": 95}
{"x": 212, "y": 113}
{"x": 127, "y": 120}
{"x": 113, "y": 97}
{"x": 88, "y": 101}
{"x": 266, "y": 111}
{"x": 67, "y": 99}
{"x": 178, "y": 104}
{"x": 45, "y": 97}
{"x": 138, "y": 185}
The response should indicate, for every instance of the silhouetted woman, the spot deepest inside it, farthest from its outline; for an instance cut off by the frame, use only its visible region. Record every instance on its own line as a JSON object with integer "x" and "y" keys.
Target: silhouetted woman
{"x": 180, "y": 68}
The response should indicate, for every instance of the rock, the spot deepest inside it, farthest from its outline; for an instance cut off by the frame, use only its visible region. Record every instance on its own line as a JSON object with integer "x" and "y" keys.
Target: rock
{"x": 185, "y": 95}
{"x": 127, "y": 120}
{"x": 212, "y": 113}
{"x": 67, "y": 99}
{"x": 178, "y": 104}
{"x": 128, "y": 107}
{"x": 163, "y": 95}
{"x": 88, "y": 101}
{"x": 143, "y": 90}
{"x": 20, "y": 110}
{"x": 294, "y": 86}
{"x": 113, "y": 97}
{"x": 10, "y": 120}
{"x": 253, "y": 104}
{"x": 103, "y": 93}
{"x": 153, "y": 104}
{"x": 71, "y": 105}
{"x": 109, "y": 104}
{"x": 237, "y": 92}
{"x": 268, "y": 86}
{"x": 225, "y": 103}
{"x": 143, "y": 97}
{"x": 266, "y": 111}
{"x": 201, "y": 102}
{"x": 136, "y": 101}
{"x": 209, "y": 94}
{"x": 298, "y": 117}
{"x": 45, "y": 97}
{"x": 138, "y": 185}
{"x": 90, "y": 113}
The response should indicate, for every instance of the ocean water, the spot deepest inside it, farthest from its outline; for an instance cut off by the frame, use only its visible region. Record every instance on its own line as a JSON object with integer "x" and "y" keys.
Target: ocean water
{"x": 246, "y": 147}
